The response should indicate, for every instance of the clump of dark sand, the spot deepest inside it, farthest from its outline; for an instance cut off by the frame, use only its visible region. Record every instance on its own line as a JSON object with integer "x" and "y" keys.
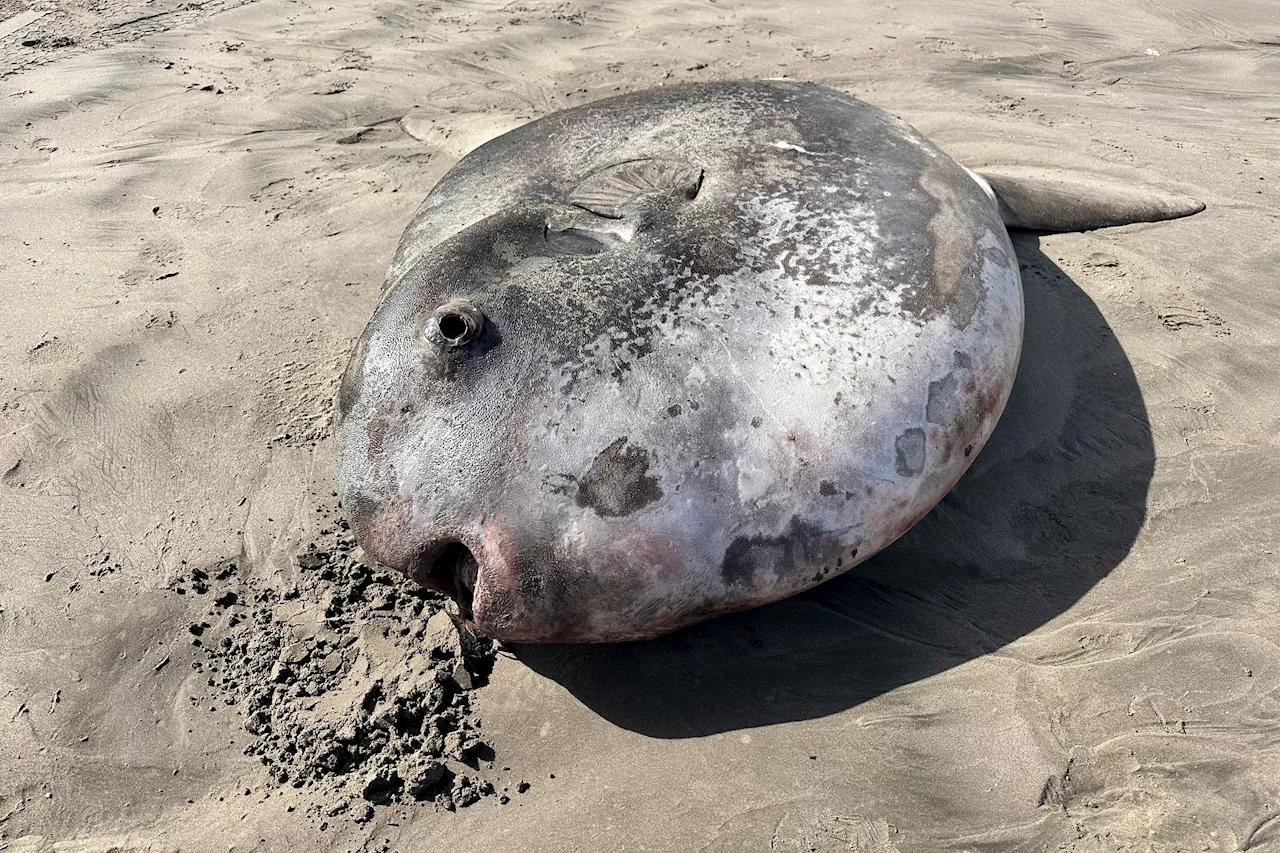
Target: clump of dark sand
{"x": 354, "y": 680}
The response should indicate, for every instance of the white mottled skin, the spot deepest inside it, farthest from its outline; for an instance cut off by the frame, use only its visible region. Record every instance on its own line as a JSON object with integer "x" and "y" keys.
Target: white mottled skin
{"x": 810, "y": 363}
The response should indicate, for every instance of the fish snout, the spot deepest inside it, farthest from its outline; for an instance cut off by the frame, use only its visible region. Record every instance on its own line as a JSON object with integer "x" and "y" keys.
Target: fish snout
{"x": 465, "y": 565}
{"x": 440, "y": 560}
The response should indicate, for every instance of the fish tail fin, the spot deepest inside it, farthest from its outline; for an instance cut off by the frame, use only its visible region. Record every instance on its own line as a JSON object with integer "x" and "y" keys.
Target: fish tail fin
{"x": 1057, "y": 202}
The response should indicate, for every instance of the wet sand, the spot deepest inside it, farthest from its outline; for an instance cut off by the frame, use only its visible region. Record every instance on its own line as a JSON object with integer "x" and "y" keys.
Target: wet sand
{"x": 1076, "y": 651}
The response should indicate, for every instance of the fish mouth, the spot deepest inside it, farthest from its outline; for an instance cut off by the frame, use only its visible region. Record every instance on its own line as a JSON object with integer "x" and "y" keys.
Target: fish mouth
{"x": 449, "y": 567}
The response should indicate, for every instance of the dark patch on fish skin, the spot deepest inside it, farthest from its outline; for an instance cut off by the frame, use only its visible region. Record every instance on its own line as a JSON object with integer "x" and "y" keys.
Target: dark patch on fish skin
{"x": 962, "y": 359}
{"x": 909, "y": 450}
{"x": 965, "y": 302}
{"x": 827, "y": 488}
{"x": 957, "y": 214}
{"x": 944, "y": 400}
{"x": 713, "y": 256}
{"x": 756, "y": 422}
{"x": 617, "y": 483}
{"x": 798, "y": 545}
{"x": 674, "y": 411}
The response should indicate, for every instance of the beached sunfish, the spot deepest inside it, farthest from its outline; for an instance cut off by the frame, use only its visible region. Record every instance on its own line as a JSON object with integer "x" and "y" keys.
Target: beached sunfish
{"x": 684, "y": 352}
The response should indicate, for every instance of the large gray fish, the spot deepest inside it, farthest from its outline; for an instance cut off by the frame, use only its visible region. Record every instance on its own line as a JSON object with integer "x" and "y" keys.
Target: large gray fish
{"x": 684, "y": 352}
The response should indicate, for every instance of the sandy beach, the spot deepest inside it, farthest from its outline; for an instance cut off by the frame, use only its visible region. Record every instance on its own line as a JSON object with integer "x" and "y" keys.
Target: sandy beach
{"x": 1077, "y": 650}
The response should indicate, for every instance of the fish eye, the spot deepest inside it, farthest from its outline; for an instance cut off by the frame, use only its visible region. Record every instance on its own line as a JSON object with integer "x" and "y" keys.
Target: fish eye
{"x": 454, "y": 324}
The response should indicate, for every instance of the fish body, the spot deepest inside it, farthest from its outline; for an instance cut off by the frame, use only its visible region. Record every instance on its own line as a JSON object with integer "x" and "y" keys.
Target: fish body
{"x": 676, "y": 354}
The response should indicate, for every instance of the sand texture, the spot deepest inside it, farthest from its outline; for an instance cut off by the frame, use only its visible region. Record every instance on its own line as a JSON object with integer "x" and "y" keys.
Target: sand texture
{"x": 1076, "y": 651}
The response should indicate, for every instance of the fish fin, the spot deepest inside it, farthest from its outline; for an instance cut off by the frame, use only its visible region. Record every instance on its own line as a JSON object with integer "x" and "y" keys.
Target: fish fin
{"x": 1044, "y": 201}
{"x": 577, "y": 231}
{"x": 614, "y": 189}
{"x": 576, "y": 241}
